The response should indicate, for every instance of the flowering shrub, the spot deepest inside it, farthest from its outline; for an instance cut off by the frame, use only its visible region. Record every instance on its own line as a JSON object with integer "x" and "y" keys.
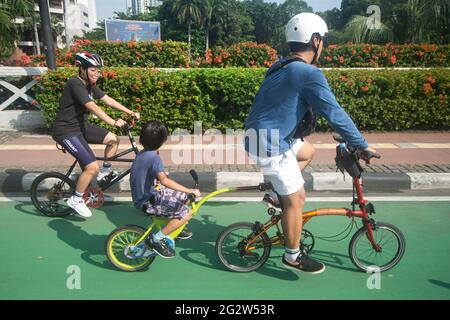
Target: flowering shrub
{"x": 166, "y": 54}
{"x": 245, "y": 54}
{"x": 389, "y": 55}
{"x": 221, "y": 98}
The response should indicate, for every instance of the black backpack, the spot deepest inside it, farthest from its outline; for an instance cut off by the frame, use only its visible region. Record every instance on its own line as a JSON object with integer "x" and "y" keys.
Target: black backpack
{"x": 308, "y": 124}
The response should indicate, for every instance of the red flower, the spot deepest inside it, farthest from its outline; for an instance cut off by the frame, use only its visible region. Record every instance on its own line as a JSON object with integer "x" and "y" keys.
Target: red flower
{"x": 430, "y": 79}
{"x": 138, "y": 99}
{"x": 394, "y": 59}
{"x": 427, "y": 88}
{"x": 365, "y": 88}
{"x": 341, "y": 59}
{"x": 332, "y": 46}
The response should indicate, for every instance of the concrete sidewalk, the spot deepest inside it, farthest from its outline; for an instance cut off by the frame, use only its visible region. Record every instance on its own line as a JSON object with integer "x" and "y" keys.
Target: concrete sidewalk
{"x": 410, "y": 161}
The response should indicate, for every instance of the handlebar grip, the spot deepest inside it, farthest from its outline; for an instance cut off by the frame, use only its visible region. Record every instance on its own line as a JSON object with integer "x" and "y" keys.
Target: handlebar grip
{"x": 190, "y": 198}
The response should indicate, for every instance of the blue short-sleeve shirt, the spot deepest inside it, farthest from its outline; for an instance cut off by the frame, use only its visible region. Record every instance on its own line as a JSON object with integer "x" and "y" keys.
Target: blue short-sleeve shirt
{"x": 145, "y": 169}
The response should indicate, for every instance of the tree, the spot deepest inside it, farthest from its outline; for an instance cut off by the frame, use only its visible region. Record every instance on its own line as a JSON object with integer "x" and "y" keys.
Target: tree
{"x": 9, "y": 30}
{"x": 189, "y": 12}
{"x": 212, "y": 7}
{"x": 362, "y": 30}
{"x": 429, "y": 21}
{"x": 97, "y": 34}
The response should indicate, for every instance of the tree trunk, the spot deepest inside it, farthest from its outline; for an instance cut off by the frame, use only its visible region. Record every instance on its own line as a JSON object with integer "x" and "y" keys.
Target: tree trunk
{"x": 36, "y": 38}
{"x": 189, "y": 39}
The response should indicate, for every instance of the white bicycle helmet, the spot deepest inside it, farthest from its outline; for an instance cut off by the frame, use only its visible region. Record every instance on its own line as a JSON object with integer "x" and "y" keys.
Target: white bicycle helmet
{"x": 302, "y": 26}
{"x": 86, "y": 60}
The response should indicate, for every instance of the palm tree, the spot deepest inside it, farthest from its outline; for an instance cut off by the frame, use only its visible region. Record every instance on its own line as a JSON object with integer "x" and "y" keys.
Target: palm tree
{"x": 366, "y": 30}
{"x": 211, "y": 6}
{"x": 188, "y": 11}
{"x": 428, "y": 20}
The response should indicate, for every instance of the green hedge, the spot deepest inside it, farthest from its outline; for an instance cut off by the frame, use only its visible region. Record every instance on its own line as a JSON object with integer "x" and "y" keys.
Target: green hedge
{"x": 221, "y": 98}
{"x": 390, "y": 55}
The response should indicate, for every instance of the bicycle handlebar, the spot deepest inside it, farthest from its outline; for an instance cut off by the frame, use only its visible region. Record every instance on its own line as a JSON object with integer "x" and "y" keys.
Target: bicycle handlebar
{"x": 360, "y": 153}
{"x": 191, "y": 197}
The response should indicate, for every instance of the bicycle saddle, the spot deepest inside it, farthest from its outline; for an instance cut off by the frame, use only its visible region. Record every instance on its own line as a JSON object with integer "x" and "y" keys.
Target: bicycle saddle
{"x": 270, "y": 202}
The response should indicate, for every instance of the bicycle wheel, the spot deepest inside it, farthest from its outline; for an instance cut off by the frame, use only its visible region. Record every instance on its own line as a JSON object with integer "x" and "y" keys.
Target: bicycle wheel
{"x": 388, "y": 237}
{"x": 49, "y": 193}
{"x": 120, "y": 249}
{"x": 232, "y": 252}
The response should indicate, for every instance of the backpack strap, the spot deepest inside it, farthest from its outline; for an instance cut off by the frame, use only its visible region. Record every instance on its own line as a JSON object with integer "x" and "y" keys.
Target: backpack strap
{"x": 283, "y": 64}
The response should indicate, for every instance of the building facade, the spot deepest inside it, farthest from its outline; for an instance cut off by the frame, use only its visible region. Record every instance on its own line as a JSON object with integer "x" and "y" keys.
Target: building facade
{"x": 69, "y": 18}
{"x": 141, "y": 6}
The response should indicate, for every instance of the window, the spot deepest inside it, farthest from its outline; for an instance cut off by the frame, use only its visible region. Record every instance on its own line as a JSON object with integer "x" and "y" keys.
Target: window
{"x": 86, "y": 25}
{"x": 85, "y": 14}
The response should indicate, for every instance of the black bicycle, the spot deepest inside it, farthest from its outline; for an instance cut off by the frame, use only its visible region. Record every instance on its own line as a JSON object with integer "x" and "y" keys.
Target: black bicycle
{"x": 50, "y": 190}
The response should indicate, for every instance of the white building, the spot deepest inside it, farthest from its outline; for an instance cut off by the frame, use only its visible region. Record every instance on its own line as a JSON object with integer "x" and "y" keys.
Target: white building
{"x": 141, "y": 6}
{"x": 79, "y": 16}
{"x": 73, "y": 16}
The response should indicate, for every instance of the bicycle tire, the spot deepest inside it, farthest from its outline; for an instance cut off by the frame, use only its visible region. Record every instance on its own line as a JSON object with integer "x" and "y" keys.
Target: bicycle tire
{"x": 50, "y": 206}
{"x": 115, "y": 249}
{"x": 232, "y": 262}
{"x": 360, "y": 239}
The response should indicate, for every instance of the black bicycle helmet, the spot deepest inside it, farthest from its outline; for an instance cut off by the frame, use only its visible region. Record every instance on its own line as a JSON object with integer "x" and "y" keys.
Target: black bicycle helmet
{"x": 86, "y": 60}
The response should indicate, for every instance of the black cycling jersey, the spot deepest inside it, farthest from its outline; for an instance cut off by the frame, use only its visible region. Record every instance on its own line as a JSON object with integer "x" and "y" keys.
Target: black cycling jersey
{"x": 71, "y": 117}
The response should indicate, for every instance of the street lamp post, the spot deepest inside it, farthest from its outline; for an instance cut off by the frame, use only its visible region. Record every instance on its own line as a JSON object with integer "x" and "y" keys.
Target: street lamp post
{"x": 48, "y": 36}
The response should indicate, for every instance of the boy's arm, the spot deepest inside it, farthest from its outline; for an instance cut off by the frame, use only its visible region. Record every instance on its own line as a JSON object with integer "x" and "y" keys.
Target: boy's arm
{"x": 169, "y": 183}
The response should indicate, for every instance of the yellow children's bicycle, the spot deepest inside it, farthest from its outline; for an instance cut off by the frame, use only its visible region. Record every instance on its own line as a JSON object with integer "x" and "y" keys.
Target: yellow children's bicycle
{"x": 126, "y": 248}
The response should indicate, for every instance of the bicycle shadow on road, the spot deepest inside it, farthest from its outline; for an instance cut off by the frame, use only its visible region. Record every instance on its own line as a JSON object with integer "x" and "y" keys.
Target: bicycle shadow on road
{"x": 92, "y": 245}
{"x": 200, "y": 249}
{"x": 442, "y": 284}
{"x": 28, "y": 208}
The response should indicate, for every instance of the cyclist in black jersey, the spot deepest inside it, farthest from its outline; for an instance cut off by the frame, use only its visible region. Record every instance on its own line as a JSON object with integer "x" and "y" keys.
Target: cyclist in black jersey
{"x": 72, "y": 130}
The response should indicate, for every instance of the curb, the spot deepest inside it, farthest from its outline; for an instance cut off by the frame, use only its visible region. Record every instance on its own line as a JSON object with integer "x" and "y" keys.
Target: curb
{"x": 14, "y": 180}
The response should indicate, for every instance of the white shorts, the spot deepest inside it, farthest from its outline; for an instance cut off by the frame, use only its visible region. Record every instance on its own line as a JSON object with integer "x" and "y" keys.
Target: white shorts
{"x": 283, "y": 170}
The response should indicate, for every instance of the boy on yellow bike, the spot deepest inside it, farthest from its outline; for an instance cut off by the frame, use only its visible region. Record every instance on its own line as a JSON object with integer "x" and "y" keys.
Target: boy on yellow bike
{"x": 155, "y": 193}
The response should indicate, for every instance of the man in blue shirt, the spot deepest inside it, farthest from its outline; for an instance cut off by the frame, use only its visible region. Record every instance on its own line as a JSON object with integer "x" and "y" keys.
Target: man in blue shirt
{"x": 281, "y": 103}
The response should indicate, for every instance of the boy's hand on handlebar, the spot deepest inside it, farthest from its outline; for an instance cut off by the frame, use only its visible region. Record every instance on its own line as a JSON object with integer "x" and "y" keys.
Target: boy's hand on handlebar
{"x": 119, "y": 123}
{"x": 195, "y": 192}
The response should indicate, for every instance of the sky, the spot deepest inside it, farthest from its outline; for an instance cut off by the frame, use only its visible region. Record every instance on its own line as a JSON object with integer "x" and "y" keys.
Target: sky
{"x": 106, "y": 8}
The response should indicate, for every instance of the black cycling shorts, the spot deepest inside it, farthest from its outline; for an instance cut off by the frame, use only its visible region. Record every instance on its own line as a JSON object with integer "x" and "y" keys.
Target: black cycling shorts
{"x": 78, "y": 146}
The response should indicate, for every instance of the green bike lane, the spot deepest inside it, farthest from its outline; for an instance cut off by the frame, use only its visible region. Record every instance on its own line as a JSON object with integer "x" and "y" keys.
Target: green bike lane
{"x": 38, "y": 254}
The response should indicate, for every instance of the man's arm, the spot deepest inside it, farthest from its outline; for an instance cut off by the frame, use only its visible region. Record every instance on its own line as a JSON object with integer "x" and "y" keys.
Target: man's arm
{"x": 319, "y": 96}
{"x": 118, "y": 106}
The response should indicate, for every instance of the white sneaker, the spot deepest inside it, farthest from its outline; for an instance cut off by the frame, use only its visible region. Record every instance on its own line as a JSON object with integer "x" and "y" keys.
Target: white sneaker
{"x": 79, "y": 206}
